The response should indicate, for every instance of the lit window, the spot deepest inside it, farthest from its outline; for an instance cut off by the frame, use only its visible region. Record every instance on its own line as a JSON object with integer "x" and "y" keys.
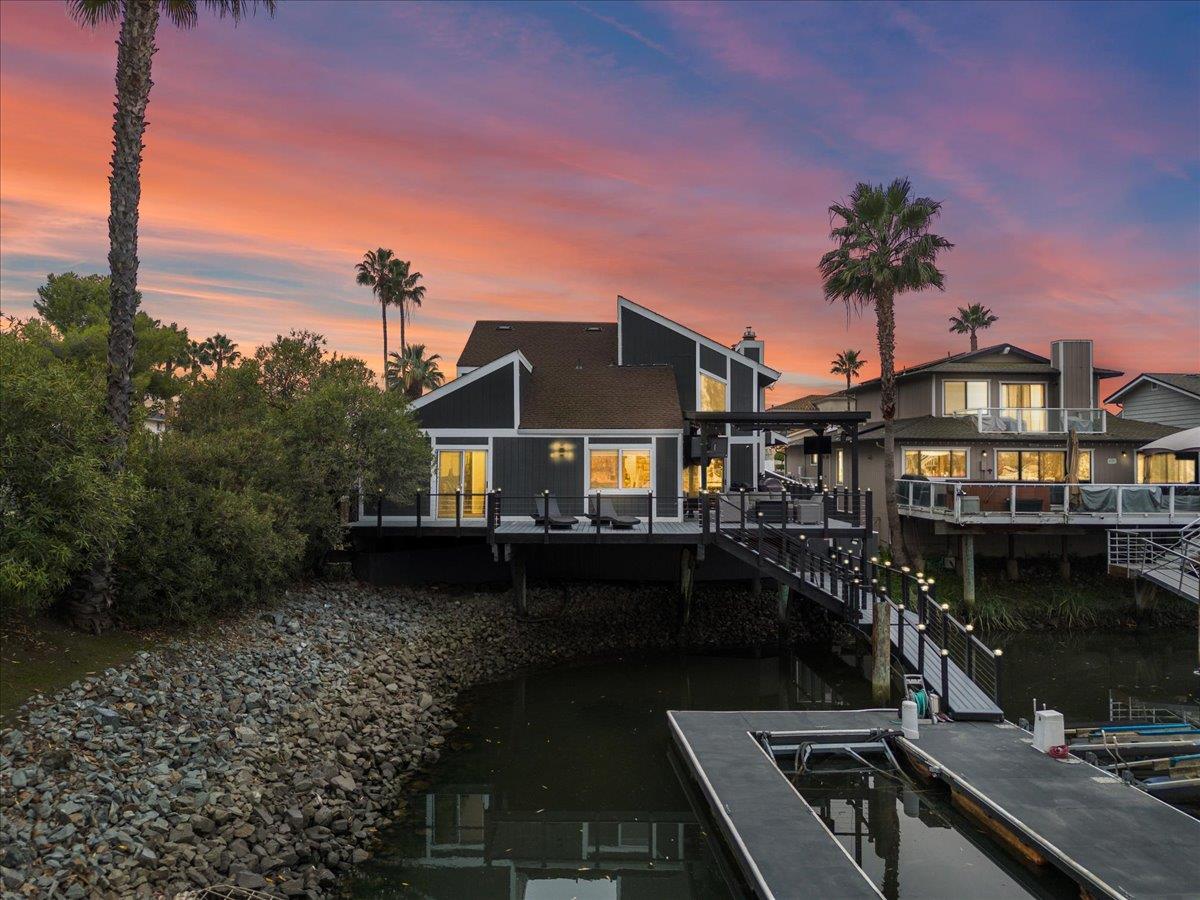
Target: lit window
{"x": 620, "y": 470}
{"x": 963, "y": 397}
{"x": 1165, "y": 468}
{"x": 1041, "y": 465}
{"x": 936, "y": 463}
{"x": 712, "y": 394}
{"x": 716, "y": 477}
{"x": 1023, "y": 396}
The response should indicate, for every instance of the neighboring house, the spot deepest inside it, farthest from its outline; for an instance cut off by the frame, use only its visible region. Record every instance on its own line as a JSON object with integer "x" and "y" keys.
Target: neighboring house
{"x": 579, "y": 407}
{"x": 1169, "y": 398}
{"x": 155, "y": 422}
{"x": 982, "y": 446}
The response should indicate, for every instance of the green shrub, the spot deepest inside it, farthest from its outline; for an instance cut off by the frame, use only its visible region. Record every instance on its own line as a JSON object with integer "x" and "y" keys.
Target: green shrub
{"x": 58, "y": 500}
{"x": 207, "y": 539}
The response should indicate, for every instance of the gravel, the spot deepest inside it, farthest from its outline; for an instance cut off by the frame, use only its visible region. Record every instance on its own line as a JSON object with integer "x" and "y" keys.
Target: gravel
{"x": 270, "y": 753}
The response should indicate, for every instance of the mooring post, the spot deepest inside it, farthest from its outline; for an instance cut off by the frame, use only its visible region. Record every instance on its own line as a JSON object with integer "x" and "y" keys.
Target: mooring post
{"x": 881, "y": 648}
{"x": 968, "y": 570}
{"x": 687, "y": 580}
{"x": 520, "y": 597}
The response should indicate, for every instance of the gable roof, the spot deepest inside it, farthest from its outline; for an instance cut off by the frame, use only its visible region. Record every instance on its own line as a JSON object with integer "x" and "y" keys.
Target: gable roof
{"x": 807, "y": 403}
{"x": 601, "y": 397}
{"x": 543, "y": 343}
{"x": 1183, "y": 382}
{"x": 474, "y": 375}
{"x": 1023, "y": 362}
{"x": 959, "y": 428}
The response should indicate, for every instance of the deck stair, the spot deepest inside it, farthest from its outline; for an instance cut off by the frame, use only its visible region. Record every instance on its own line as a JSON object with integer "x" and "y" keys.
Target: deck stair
{"x": 1166, "y": 558}
{"x": 926, "y": 639}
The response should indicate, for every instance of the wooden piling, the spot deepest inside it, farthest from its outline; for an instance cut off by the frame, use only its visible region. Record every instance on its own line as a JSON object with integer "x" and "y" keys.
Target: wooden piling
{"x": 881, "y": 649}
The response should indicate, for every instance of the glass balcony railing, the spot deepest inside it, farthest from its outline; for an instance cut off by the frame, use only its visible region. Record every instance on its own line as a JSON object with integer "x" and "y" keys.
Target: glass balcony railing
{"x": 1020, "y": 420}
{"x": 974, "y": 501}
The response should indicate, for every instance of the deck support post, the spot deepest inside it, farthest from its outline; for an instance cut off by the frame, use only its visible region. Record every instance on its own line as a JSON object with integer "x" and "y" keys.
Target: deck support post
{"x": 1064, "y": 561}
{"x": 687, "y": 581}
{"x": 784, "y": 592}
{"x": 881, "y": 650}
{"x": 1010, "y": 561}
{"x": 519, "y": 593}
{"x": 968, "y": 570}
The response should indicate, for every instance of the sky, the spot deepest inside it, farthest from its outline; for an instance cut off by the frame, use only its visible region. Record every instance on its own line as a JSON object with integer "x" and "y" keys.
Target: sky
{"x": 534, "y": 161}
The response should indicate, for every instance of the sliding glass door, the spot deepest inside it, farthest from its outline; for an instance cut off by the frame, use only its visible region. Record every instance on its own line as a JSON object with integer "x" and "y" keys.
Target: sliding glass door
{"x": 465, "y": 471}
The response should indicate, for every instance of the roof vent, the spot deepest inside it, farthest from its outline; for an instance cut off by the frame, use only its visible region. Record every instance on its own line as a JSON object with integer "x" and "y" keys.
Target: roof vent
{"x": 504, "y": 328}
{"x": 593, "y": 328}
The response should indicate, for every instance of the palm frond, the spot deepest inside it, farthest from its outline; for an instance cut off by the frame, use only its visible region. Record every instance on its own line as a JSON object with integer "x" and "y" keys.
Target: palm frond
{"x": 94, "y": 12}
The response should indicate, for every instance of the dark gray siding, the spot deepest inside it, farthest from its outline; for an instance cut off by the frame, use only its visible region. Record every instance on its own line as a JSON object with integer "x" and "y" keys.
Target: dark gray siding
{"x": 667, "y": 462}
{"x": 713, "y": 362}
{"x": 741, "y": 465}
{"x": 645, "y": 342}
{"x": 753, "y": 353}
{"x": 464, "y": 441}
{"x": 486, "y": 403}
{"x": 1074, "y": 360}
{"x": 523, "y": 383}
{"x": 522, "y": 468}
{"x": 741, "y": 391}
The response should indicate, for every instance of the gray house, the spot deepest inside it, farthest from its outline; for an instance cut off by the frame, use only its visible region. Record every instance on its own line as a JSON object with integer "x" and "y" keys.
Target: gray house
{"x": 1169, "y": 398}
{"x": 580, "y": 407}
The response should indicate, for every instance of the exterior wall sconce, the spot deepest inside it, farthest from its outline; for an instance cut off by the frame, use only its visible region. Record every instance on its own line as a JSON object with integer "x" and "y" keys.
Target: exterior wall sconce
{"x": 562, "y": 451}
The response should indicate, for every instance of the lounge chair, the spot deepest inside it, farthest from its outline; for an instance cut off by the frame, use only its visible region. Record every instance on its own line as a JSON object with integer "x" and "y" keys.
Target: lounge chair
{"x": 606, "y": 515}
{"x": 546, "y": 509}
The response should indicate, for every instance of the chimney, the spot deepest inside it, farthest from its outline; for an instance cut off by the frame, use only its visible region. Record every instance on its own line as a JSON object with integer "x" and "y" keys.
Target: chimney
{"x": 750, "y": 345}
{"x": 1076, "y": 379}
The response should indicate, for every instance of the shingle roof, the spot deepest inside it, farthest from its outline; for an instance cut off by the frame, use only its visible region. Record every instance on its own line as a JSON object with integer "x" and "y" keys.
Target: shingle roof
{"x": 1184, "y": 381}
{"x": 952, "y": 428}
{"x": 807, "y": 403}
{"x": 632, "y": 397}
{"x": 543, "y": 343}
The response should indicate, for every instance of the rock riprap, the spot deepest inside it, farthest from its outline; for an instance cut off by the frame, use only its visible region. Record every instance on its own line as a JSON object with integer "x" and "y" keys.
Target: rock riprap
{"x": 269, "y": 753}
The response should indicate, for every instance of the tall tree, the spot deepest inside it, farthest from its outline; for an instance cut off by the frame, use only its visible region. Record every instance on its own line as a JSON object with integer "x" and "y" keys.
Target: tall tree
{"x": 414, "y": 372}
{"x": 971, "y": 319}
{"x": 848, "y": 363}
{"x": 135, "y": 53}
{"x": 222, "y": 350}
{"x": 407, "y": 294}
{"x": 884, "y": 248}
{"x": 380, "y": 270}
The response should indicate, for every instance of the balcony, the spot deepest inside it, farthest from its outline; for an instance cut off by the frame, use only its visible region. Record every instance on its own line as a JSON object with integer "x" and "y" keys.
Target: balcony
{"x": 1013, "y": 502}
{"x": 1014, "y": 420}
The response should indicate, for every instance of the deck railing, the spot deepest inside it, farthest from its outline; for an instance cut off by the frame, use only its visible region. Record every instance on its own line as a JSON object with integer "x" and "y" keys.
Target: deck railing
{"x": 1016, "y": 501}
{"x": 1037, "y": 420}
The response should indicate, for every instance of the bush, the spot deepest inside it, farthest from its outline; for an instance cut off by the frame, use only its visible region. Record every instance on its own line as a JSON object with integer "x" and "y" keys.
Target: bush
{"x": 59, "y": 502}
{"x": 207, "y": 540}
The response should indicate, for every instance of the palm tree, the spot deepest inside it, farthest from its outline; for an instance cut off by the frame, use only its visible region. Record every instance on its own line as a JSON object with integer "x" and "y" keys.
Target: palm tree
{"x": 847, "y": 363}
{"x": 221, "y": 351}
{"x": 135, "y": 52}
{"x": 971, "y": 319}
{"x": 884, "y": 248}
{"x": 407, "y": 295}
{"x": 198, "y": 356}
{"x": 414, "y": 372}
{"x": 380, "y": 270}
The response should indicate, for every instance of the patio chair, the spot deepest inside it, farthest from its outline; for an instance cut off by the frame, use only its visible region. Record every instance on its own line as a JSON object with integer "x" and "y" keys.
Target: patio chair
{"x": 546, "y": 508}
{"x": 606, "y": 515}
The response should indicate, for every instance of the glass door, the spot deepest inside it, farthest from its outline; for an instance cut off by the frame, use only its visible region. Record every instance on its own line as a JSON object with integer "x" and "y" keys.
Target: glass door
{"x": 465, "y": 471}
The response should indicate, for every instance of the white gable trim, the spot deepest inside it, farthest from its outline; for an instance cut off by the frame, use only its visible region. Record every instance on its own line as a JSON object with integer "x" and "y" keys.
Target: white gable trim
{"x": 625, "y": 302}
{"x": 474, "y": 375}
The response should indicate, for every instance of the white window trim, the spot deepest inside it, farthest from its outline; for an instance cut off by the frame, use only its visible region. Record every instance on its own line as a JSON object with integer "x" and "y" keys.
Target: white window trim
{"x": 996, "y": 463}
{"x": 945, "y": 381}
{"x": 620, "y": 449}
{"x": 435, "y": 469}
{"x": 923, "y": 449}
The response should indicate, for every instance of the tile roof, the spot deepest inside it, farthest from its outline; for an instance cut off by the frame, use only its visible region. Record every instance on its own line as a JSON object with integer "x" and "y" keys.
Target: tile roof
{"x": 952, "y": 428}
{"x": 633, "y": 397}
{"x": 543, "y": 343}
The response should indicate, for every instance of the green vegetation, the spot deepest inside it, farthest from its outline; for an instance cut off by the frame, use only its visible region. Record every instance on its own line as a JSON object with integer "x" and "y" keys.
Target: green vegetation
{"x": 971, "y": 319}
{"x": 238, "y": 498}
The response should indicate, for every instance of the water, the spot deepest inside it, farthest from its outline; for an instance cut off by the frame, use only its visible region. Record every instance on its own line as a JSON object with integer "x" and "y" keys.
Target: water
{"x": 562, "y": 784}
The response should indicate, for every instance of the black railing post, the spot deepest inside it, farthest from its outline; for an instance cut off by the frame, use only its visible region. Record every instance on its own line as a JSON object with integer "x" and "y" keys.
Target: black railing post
{"x": 489, "y": 514}
{"x": 969, "y": 629}
{"x": 418, "y": 512}
{"x": 458, "y": 512}
{"x": 945, "y": 608}
{"x": 718, "y": 516}
{"x": 379, "y": 515}
{"x": 946, "y": 677}
{"x": 597, "y": 519}
{"x": 704, "y": 517}
{"x": 760, "y": 539}
{"x": 904, "y": 589}
{"x": 743, "y": 490}
{"x": 900, "y": 636}
{"x": 997, "y": 654}
{"x": 650, "y": 512}
{"x": 921, "y": 648}
{"x": 869, "y": 515}
{"x": 546, "y": 515}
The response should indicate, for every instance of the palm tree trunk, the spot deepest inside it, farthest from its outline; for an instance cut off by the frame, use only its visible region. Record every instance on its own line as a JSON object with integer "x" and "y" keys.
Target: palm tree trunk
{"x": 383, "y": 309}
{"x": 974, "y": 340}
{"x": 885, "y": 328}
{"x": 847, "y": 392}
{"x": 403, "y": 345}
{"x": 92, "y": 599}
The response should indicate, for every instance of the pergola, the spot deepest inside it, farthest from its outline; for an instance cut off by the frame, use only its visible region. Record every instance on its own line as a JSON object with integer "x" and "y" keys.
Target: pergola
{"x": 780, "y": 420}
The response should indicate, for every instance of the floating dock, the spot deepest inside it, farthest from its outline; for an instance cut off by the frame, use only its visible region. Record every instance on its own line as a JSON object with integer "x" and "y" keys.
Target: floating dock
{"x": 1110, "y": 838}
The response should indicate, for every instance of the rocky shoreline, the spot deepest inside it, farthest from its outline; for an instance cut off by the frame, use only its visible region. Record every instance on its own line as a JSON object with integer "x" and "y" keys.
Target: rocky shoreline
{"x": 269, "y": 754}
